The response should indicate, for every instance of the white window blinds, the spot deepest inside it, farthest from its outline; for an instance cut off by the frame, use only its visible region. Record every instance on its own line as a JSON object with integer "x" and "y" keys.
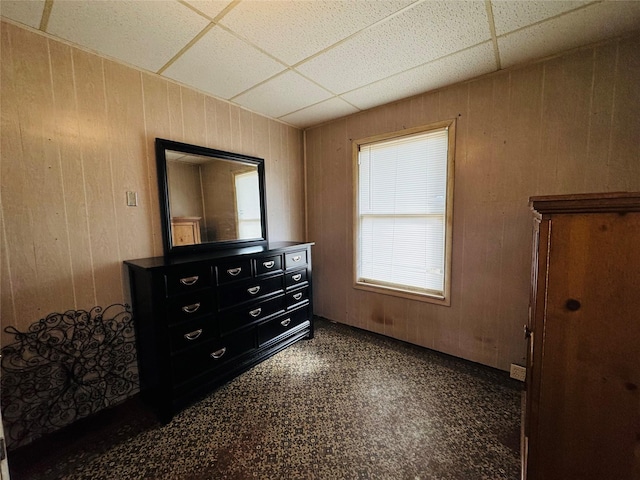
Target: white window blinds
{"x": 402, "y": 192}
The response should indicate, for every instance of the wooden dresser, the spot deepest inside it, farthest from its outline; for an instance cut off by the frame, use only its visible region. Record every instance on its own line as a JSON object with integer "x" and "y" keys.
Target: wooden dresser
{"x": 201, "y": 320}
{"x": 185, "y": 230}
{"x": 582, "y": 418}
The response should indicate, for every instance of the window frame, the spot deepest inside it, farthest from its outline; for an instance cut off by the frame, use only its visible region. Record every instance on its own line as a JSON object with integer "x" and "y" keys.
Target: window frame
{"x": 444, "y": 299}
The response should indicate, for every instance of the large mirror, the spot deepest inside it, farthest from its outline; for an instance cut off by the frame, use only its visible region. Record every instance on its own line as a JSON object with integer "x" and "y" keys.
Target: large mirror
{"x": 209, "y": 198}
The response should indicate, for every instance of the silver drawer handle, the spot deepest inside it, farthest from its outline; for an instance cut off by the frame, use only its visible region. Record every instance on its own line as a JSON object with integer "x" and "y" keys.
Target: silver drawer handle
{"x": 189, "y": 280}
{"x": 256, "y": 312}
{"x": 191, "y": 308}
{"x": 218, "y": 353}
{"x": 269, "y": 264}
{"x": 234, "y": 271}
{"x": 253, "y": 290}
{"x": 297, "y": 296}
{"x": 297, "y": 277}
{"x": 193, "y": 335}
{"x": 296, "y": 258}
{"x": 285, "y": 322}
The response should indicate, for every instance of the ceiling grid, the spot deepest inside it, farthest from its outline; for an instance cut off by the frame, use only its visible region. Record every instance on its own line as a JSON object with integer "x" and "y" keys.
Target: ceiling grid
{"x": 306, "y": 62}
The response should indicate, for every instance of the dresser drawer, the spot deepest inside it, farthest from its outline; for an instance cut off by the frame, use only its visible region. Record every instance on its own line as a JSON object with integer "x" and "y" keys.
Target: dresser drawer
{"x": 189, "y": 305}
{"x": 282, "y": 324}
{"x": 295, "y": 259}
{"x": 192, "y": 333}
{"x": 231, "y": 321}
{"x": 188, "y": 279}
{"x": 297, "y": 297}
{"x": 295, "y": 278}
{"x": 233, "y": 271}
{"x": 266, "y": 265}
{"x": 211, "y": 355}
{"x": 235, "y": 294}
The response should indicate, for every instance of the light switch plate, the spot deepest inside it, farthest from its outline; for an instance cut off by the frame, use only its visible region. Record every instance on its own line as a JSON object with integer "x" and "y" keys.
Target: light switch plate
{"x": 132, "y": 199}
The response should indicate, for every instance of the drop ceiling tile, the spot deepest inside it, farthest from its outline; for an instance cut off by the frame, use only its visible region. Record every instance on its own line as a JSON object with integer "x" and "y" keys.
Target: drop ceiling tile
{"x": 420, "y": 34}
{"x": 222, "y": 65}
{"x": 321, "y": 112}
{"x": 458, "y": 67}
{"x": 283, "y": 94}
{"x": 127, "y": 30}
{"x": 211, "y": 8}
{"x": 591, "y": 24}
{"x": 27, "y": 12}
{"x": 293, "y": 30}
{"x": 510, "y": 15}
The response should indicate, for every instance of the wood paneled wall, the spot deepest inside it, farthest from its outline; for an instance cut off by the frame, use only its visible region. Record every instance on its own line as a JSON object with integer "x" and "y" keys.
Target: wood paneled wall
{"x": 569, "y": 124}
{"x": 77, "y": 133}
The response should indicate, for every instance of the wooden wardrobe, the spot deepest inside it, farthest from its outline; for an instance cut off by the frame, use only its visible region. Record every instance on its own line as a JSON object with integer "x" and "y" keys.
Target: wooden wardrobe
{"x": 582, "y": 417}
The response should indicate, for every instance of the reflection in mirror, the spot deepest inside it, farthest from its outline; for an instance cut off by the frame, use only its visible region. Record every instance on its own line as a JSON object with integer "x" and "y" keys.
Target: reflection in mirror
{"x": 209, "y": 198}
{"x": 212, "y": 199}
{"x": 247, "y": 204}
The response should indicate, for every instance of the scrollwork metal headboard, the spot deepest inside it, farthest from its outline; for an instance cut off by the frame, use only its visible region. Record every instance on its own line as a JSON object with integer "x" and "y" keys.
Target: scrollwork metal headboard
{"x": 65, "y": 367}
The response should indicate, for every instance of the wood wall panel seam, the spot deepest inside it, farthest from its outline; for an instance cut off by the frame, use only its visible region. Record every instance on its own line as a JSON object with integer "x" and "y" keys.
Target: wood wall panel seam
{"x": 103, "y": 118}
{"x": 519, "y": 169}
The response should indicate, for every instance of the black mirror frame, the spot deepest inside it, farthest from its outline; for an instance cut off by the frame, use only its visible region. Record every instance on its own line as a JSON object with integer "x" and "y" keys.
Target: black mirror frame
{"x": 162, "y": 145}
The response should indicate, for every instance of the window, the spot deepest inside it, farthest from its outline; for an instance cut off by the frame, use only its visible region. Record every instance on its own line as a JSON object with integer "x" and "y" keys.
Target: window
{"x": 403, "y": 212}
{"x": 248, "y": 205}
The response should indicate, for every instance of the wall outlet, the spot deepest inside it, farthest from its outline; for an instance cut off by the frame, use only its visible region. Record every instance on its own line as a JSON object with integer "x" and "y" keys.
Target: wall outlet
{"x": 518, "y": 372}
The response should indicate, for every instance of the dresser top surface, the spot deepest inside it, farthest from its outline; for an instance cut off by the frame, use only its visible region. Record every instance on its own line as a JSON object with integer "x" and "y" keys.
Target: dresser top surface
{"x": 586, "y": 203}
{"x": 163, "y": 262}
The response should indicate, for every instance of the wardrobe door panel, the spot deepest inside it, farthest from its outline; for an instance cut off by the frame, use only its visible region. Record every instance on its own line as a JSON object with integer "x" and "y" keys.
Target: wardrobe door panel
{"x": 587, "y": 393}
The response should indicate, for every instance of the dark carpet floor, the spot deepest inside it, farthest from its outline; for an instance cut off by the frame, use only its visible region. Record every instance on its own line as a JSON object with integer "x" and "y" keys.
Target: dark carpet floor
{"x": 346, "y": 405}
